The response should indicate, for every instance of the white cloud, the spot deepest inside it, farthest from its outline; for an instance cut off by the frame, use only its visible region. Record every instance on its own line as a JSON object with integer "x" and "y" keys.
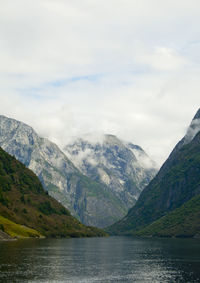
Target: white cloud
{"x": 193, "y": 129}
{"x": 127, "y": 67}
{"x": 163, "y": 58}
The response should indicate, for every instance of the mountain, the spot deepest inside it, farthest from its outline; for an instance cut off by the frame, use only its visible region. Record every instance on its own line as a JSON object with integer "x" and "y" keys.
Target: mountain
{"x": 86, "y": 199}
{"x": 10, "y": 230}
{"x": 177, "y": 182}
{"x": 24, "y": 201}
{"x": 122, "y": 168}
{"x": 181, "y": 222}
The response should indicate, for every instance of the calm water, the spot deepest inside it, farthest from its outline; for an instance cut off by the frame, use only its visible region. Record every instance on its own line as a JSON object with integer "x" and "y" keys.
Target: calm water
{"x": 114, "y": 259}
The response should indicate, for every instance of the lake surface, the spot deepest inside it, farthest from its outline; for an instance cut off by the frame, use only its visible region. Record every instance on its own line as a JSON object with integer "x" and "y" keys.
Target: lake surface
{"x": 113, "y": 259}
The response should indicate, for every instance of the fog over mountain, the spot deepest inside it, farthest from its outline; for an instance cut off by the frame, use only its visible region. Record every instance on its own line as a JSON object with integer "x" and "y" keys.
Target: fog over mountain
{"x": 97, "y": 194}
{"x": 124, "y": 168}
{"x": 193, "y": 129}
{"x": 123, "y": 68}
{"x": 170, "y": 204}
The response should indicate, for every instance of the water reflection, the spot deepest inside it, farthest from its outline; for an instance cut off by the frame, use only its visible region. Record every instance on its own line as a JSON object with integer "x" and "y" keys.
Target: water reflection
{"x": 114, "y": 259}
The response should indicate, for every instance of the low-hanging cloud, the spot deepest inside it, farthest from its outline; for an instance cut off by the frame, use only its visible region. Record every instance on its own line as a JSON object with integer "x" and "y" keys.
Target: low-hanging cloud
{"x": 129, "y": 68}
{"x": 193, "y": 129}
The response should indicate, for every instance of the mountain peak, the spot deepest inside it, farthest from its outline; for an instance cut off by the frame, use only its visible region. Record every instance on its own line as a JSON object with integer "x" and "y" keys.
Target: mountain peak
{"x": 193, "y": 129}
{"x": 197, "y": 115}
{"x": 176, "y": 183}
{"x": 109, "y": 136}
{"x": 112, "y": 139}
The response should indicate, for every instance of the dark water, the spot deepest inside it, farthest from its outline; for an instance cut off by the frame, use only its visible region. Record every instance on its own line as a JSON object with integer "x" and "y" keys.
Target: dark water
{"x": 114, "y": 259}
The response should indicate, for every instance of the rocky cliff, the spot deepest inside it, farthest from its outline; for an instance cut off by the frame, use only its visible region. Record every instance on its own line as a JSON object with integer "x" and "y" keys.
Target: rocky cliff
{"x": 26, "y": 210}
{"x": 176, "y": 183}
{"x": 121, "y": 167}
{"x": 97, "y": 196}
{"x": 87, "y": 199}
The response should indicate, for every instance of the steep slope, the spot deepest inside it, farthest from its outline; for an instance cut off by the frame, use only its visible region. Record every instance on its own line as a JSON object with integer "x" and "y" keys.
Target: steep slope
{"x": 24, "y": 201}
{"x": 181, "y": 222}
{"x": 177, "y": 182}
{"x": 124, "y": 168}
{"x": 4, "y": 236}
{"x": 13, "y": 229}
{"x": 86, "y": 199}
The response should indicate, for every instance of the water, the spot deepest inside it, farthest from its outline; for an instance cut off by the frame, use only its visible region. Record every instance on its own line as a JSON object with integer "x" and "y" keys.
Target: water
{"x": 113, "y": 259}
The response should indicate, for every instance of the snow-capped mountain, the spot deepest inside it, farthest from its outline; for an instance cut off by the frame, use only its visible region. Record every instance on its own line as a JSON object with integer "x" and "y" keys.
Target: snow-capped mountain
{"x": 99, "y": 189}
{"x": 86, "y": 199}
{"x": 124, "y": 168}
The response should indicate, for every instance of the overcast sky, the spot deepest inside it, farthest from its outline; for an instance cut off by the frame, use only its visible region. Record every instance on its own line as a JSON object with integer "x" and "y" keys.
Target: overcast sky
{"x": 124, "y": 67}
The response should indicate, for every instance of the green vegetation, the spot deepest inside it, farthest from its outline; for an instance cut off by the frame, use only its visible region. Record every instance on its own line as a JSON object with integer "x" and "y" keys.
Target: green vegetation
{"x": 17, "y": 230}
{"x": 177, "y": 182}
{"x": 181, "y": 222}
{"x": 24, "y": 201}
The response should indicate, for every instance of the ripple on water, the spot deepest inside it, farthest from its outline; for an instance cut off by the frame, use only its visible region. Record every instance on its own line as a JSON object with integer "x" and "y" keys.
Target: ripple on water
{"x": 114, "y": 259}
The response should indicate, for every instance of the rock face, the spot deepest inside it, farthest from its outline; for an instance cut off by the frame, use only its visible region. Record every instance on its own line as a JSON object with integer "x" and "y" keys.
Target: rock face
{"x": 4, "y": 236}
{"x": 44, "y": 158}
{"x": 24, "y": 201}
{"x": 122, "y": 168}
{"x": 91, "y": 201}
{"x": 98, "y": 195}
{"x": 176, "y": 183}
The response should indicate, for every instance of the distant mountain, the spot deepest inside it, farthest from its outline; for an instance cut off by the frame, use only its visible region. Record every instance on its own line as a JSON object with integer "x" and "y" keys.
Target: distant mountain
{"x": 122, "y": 168}
{"x": 86, "y": 199}
{"x": 177, "y": 182}
{"x": 27, "y": 210}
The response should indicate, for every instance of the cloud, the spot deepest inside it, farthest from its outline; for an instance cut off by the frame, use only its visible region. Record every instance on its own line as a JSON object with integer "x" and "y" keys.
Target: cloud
{"x": 129, "y": 68}
{"x": 193, "y": 129}
{"x": 163, "y": 58}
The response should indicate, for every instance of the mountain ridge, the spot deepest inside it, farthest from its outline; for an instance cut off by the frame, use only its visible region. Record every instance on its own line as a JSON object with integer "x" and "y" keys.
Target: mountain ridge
{"x": 23, "y": 201}
{"x": 88, "y": 199}
{"x": 118, "y": 165}
{"x": 177, "y": 181}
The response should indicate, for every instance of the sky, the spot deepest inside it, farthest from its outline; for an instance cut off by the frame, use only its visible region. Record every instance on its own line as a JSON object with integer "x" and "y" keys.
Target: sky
{"x": 125, "y": 67}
